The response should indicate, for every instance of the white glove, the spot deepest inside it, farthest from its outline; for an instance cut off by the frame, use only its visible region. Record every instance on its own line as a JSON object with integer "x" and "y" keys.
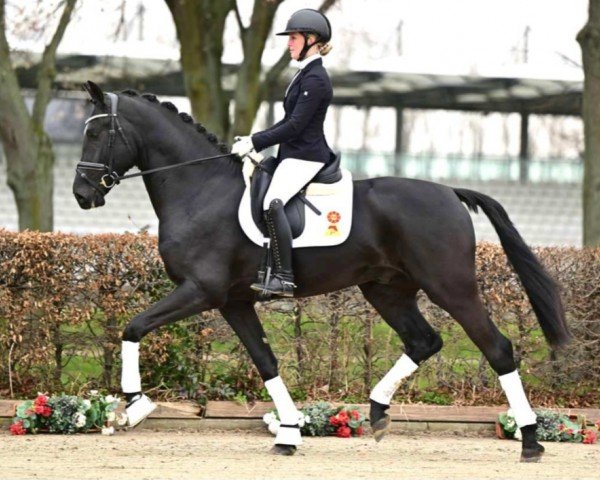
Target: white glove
{"x": 242, "y": 146}
{"x": 255, "y": 157}
{"x": 250, "y": 161}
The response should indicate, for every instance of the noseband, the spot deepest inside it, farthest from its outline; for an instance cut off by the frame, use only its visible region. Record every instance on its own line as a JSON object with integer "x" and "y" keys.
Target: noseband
{"x": 110, "y": 177}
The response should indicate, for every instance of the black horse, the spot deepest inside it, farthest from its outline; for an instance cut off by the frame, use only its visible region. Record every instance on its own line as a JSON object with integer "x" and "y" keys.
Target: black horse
{"x": 407, "y": 235}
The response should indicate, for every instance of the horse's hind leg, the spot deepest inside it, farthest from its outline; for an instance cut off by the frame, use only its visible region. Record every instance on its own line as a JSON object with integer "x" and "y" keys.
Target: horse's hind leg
{"x": 242, "y": 317}
{"x": 397, "y": 305}
{"x": 457, "y": 294}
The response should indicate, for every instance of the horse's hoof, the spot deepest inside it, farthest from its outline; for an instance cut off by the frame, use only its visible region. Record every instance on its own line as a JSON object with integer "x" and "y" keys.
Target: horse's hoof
{"x": 381, "y": 427}
{"x": 532, "y": 455}
{"x": 286, "y": 450}
{"x": 139, "y": 410}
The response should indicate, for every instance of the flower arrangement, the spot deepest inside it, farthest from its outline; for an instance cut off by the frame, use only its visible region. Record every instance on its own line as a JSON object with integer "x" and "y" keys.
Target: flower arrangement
{"x": 67, "y": 414}
{"x": 348, "y": 422}
{"x": 552, "y": 427}
{"x": 321, "y": 419}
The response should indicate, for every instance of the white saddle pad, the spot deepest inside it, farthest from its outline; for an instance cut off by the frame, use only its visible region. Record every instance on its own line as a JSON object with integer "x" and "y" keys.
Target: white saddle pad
{"x": 332, "y": 227}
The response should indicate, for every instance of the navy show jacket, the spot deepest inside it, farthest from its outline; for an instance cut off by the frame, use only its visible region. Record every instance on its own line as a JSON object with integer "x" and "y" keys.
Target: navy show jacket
{"x": 300, "y": 133}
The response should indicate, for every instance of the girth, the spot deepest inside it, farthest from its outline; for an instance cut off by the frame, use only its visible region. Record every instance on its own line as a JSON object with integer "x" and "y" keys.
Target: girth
{"x": 294, "y": 209}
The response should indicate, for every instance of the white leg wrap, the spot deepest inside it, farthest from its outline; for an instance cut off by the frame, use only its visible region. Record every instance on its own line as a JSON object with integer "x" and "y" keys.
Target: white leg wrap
{"x": 385, "y": 389}
{"x": 288, "y": 414}
{"x": 130, "y": 373}
{"x": 513, "y": 388}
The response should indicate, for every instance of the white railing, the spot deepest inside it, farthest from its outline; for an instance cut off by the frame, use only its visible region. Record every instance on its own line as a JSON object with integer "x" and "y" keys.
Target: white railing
{"x": 371, "y": 164}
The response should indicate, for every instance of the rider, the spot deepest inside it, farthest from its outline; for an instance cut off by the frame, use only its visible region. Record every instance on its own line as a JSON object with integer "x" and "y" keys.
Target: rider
{"x": 303, "y": 150}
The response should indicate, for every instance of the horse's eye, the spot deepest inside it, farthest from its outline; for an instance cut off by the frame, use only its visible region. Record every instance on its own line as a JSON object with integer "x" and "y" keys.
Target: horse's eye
{"x": 91, "y": 133}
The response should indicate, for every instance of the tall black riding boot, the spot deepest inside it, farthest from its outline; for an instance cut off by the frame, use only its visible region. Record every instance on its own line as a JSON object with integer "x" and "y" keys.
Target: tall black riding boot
{"x": 281, "y": 280}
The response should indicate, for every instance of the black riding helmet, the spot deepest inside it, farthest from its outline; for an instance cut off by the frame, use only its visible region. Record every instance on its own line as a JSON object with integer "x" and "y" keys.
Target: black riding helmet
{"x": 307, "y": 21}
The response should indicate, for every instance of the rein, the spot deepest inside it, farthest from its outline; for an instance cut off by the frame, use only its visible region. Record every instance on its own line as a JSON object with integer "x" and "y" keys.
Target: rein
{"x": 111, "y": 178}
{"x": 169, "y": 167}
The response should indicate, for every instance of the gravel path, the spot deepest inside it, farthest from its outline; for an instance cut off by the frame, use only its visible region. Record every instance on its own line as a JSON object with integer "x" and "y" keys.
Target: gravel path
{"x": 145, "y": 454}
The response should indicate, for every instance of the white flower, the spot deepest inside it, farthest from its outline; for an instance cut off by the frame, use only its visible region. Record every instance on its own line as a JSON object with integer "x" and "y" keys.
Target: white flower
{"x": 301, "y": 419}
{"x": 109, "y": 399}
{"x": 108, "y": 430}
{"x": 86, "y": 405}
{"x": 269, "y": 417}
{"x": 307, "y": 418}
{"x": 110, "y": 416}
{"x": 93, "y": 393}
{"x": 80, "y": 420}
{"x": 122, "y": 420}
{"x": 274, "y": 426}
{"x": 518, "y": 434}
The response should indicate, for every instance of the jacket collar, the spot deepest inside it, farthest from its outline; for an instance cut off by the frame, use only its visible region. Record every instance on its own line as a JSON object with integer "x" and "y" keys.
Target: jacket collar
{"x": 305, "y": 66}
{"x": 315, "y": 59}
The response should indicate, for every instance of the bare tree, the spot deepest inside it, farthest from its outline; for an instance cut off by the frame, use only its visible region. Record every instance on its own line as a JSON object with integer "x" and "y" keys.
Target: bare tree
{"x": 589, "y": 40}
{"x": 27, "y": 147}
{"x": 200, "y": 26}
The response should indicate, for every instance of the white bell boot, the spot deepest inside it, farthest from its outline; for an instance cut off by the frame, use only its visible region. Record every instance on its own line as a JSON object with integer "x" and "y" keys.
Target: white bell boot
{"x": 139, "y": 409}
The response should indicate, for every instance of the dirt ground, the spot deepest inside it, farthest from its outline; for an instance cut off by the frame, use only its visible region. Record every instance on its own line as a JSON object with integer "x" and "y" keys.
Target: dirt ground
{"x": 146, "y": 454}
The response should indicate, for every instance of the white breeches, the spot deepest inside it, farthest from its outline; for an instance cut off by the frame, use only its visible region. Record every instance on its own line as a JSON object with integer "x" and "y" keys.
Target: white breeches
{"x": 290, "y": 176}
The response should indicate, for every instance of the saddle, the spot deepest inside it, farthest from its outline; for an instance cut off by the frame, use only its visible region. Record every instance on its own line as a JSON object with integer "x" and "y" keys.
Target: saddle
{"x": 320, "y": 215}
{"x": 295, "y": 208}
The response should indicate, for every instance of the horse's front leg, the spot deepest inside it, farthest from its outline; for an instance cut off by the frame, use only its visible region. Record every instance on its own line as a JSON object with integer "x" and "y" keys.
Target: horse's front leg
{"x": 244, "y": 321}
{"x": 186, "y": 300}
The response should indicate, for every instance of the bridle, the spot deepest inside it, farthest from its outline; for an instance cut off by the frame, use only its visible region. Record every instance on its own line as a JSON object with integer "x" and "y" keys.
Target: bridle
{"x": 110, "y": 178}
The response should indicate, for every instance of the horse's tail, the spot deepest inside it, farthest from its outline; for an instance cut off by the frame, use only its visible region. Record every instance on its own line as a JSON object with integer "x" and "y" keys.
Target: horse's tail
{"x": 540, "y": 287}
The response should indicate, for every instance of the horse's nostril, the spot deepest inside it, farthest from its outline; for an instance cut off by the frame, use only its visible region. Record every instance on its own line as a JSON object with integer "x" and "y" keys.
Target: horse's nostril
{"x": 82, "y": 201}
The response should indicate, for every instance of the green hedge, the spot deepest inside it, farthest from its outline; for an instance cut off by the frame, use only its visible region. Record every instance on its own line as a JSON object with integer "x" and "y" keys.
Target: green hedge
{"x": 65, "y": 299}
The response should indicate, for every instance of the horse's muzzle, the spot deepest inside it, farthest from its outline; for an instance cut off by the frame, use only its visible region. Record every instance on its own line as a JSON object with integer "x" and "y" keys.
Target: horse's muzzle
{"x": 87, "y": 203}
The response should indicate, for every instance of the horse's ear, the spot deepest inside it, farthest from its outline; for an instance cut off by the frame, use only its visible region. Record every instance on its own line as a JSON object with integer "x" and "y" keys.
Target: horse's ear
{"x": 95, "y": 92}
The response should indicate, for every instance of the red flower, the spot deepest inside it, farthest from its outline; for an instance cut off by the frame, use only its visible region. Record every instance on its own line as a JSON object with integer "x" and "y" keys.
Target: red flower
{"x": 355, "y": 414}
{"x": 590, "y": 436}
{"x": 43, "y": 410}
{"x": 334, "y": 421}
{"x": 343, "y": 417}
{"x": 40, "y": 400}
{"x": 359, "y": 431}
{"x": 343, "y": 432}
{"x": 17, "y": 428}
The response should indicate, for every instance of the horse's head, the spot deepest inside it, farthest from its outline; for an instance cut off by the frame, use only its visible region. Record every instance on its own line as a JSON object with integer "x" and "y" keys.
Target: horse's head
{"x": 109, "y": 149}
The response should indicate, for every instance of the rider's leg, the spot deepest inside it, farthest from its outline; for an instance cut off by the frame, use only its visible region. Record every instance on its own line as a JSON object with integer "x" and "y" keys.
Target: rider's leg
{"x": 290, "y": 176}
{"x": 281, "y": 281}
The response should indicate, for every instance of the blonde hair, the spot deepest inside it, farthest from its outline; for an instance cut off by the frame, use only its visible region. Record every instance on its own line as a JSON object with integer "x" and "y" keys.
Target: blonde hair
{"x": 325, "y": 48}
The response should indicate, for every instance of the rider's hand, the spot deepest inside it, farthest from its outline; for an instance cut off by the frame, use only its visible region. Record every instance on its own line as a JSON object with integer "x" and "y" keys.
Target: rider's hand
{"x": 251, "y": 161}
{"x": 242, "y": 146}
